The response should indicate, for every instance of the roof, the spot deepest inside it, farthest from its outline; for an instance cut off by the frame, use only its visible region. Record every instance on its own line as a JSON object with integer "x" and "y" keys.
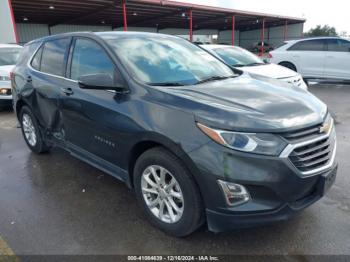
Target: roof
{"x": 141, "y": 13}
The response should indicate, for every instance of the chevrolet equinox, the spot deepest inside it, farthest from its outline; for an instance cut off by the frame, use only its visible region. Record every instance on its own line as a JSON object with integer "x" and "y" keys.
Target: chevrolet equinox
{"x": 197, "y": 141}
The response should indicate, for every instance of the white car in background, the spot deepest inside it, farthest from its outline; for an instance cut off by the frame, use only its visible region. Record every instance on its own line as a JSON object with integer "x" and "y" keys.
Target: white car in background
{"x": 315, "y": 58}
{"x": 246, "y": 61}
{"x": 9, "y": 55}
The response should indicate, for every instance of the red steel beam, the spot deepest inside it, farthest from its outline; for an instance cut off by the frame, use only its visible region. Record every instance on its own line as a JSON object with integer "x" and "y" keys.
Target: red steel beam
{"x": 262, "y": 37}
{"x": 285, "y": 31}
{"x": 191, "y": 25}
{"x": 124, "y": 16}
{"x": 233, "y": 30}
{"x": 13, "y": 21}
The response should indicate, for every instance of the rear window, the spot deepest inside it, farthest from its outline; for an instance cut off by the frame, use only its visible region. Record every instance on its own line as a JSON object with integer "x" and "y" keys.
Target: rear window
{"x": 309, "y": 45}
{"x": 53, "y": 56}
{"x": 338, "y": 45}
{"x": 37, "y": 59}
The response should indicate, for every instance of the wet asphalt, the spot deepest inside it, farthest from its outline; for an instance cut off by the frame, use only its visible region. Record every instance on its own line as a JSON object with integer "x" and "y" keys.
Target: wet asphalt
{"x": 56, "y": 204}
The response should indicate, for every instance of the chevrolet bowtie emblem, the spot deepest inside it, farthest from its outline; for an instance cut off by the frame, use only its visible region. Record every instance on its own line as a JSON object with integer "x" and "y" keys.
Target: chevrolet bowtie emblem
{"x": 324, "y": 128}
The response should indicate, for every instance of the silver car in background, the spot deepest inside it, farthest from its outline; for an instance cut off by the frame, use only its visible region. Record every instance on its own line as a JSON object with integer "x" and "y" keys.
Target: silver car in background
{"x": 9, "y": 54}
{"x": 246, "y": 61}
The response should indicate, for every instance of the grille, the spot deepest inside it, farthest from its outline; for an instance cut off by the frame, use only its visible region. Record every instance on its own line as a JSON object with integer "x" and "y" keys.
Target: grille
{"x": 312, "y": 156}
{"x": 296, "y": 81}
{"x": 313, "y": 147}
{"x": 303, "y": 134}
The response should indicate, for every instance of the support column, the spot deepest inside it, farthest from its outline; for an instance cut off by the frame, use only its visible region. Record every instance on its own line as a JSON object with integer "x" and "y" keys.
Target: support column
{"x": 233, "y": 30}
{"x": 262, "y": 37}
{"x": 302, "y": 30}
{"x": 124, "y": 16}
{"x": 285, "y": 31}
{"x": 191, "y": 25}
{"x": 8, "y": 30}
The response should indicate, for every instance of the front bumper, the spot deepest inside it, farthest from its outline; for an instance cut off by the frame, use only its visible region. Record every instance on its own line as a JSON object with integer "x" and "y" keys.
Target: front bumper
{"x": 218, "y": 222}
{"x": 277, "y": 191}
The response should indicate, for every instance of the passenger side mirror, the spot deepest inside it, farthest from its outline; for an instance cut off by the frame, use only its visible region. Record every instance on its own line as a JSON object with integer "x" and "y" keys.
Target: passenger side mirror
{"x": 100, "y": 81}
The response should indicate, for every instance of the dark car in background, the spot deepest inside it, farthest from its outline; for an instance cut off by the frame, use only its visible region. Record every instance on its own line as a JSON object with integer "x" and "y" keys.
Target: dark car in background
{"x": 196, "y": 140}
{"x": 256, "y": 47}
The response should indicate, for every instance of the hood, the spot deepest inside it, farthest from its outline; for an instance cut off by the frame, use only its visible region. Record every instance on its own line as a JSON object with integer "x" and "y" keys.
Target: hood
{"x": 6, "y": 70}
{"x": 248, "y": 104}
{"x": 270, "y": 70}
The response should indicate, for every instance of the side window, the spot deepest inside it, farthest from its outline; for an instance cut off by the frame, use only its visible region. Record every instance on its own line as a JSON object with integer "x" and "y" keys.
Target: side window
{"x": 53, "y": 54}
{"x": 90, "y": 58}
{"x": 309, "y": 45}
{"x": 338, "y": 45}
{"x": 37, "y": 58}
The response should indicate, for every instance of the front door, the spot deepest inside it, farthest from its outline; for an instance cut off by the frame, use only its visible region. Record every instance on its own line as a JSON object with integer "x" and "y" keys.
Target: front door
{"x": 91, "y": 117}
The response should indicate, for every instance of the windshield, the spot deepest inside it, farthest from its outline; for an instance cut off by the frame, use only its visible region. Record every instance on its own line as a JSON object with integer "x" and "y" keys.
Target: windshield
{"x": 237, "y": 56}
{"x": 9, "y": 56}
{"x": 164, "y": 60}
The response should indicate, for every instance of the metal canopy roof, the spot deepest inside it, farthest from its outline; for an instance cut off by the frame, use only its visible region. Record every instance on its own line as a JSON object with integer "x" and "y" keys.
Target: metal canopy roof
{"x": 141, "y": 13}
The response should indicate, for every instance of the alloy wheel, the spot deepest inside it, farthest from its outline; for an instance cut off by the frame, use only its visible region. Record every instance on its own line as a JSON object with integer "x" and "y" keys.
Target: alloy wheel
{"x": 162, "y": 194}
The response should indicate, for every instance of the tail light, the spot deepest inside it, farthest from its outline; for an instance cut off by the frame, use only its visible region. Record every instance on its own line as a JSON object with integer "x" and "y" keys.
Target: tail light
{"x": 269, "y": 55}
{"x": 12, "y": 76}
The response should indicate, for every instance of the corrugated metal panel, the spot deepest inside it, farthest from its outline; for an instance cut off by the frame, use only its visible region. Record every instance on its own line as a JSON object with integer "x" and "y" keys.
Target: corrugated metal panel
{"x": 58, "y": 29}
{"x": 138, "y": 29}
{"x": 277, "y": 33}
{"x": 28, "y": 32}
{"x": 225, "y": 37}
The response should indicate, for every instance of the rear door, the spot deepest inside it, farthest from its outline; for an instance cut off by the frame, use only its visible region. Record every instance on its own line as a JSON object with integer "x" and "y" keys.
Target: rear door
{"x": 309, "y": 57}
{"x": 45, "y": 74}
{"x": 338, "y": 59}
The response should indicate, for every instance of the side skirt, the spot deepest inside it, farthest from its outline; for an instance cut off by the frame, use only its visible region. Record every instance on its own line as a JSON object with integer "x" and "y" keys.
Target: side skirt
{"x": 99, "y": 163}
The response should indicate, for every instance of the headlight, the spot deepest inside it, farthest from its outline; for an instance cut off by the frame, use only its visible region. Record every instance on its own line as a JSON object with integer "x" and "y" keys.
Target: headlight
{"x": 257, "y": 143}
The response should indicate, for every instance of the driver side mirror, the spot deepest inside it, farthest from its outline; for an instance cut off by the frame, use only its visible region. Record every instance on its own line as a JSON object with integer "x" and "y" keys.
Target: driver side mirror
{"x": 101, "y": 81}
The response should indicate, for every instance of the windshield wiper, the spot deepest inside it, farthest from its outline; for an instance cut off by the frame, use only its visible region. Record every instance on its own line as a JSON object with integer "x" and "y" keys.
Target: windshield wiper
{"x": 166, "y": 84}
{"x": 255, "y": 64}
{"x": 213, "y": 78}
{"x": 238, "y": 65}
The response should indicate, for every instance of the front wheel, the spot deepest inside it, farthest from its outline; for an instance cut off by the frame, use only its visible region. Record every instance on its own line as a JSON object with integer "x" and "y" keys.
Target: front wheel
{"x": 167, "y": 193}
{"x": 31, "y": 132}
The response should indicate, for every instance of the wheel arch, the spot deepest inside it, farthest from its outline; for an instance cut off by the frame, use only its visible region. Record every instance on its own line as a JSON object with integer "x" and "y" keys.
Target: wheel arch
{"x": 142, "y": 146}
{"x": 288, "y": 62}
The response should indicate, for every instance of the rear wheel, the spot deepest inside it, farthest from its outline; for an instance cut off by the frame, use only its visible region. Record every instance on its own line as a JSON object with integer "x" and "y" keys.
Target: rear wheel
{"x": 31, "y": 132}
{"x": 167, "y": 192}
{"x": 288, "y": 65}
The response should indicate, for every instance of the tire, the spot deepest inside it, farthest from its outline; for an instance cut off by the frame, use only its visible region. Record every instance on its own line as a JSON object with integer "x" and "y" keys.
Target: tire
{"x": 191, "y": 217}
{"x": 289, "y": 66}
{"x": 28, "y": 122}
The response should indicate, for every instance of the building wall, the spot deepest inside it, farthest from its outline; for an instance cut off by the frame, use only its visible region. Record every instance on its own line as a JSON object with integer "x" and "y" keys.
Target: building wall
{"x": 225, "y": 37}
{"x": 246, "y": 39}
{"x": 7, "y": 32}
{"x": 29, "y": 32}
{"x": 58, "y": 29}
{"x": 141, "y": 29}
{"x": 273, "y": 35}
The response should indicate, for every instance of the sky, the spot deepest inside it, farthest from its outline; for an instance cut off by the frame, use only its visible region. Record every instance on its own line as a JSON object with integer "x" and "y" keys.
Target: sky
{"x": 334, "y": 13}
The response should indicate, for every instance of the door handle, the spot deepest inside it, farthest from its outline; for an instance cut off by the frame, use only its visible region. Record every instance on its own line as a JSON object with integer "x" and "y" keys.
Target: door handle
{"x": 29, "y": 79}
{"x": 67, "y": 90}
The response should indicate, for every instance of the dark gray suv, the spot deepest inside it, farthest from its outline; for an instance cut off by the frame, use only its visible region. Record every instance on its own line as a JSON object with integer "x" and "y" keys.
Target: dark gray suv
{"x": 197, "y": 141}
